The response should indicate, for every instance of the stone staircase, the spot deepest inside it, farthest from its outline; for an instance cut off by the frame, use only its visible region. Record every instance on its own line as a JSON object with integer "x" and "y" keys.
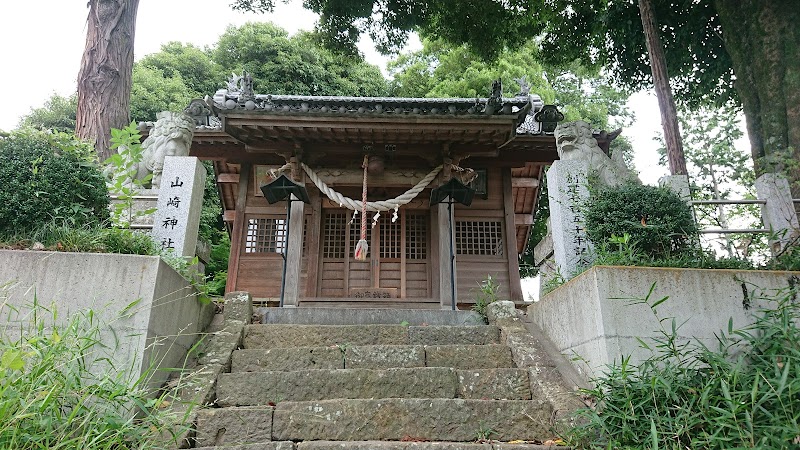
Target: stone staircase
{"x": 383, "y": 387}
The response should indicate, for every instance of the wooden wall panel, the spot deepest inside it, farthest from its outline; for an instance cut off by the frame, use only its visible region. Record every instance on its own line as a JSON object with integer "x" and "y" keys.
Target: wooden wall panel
{"x": 260, "y": 275}
{"x": 472, "y": 271}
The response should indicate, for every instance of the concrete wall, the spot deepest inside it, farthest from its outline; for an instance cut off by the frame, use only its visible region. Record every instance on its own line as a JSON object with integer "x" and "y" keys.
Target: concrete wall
{"x": 595, "y": 315}
{"x": 154, "y": 333}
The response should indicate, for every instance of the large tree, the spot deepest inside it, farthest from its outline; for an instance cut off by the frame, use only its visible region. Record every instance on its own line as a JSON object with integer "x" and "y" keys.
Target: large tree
{"x": 706, "y": 42}
{"x": 104, "y": 79}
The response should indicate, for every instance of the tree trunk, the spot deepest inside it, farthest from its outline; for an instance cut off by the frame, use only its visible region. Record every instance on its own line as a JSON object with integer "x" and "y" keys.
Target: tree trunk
{"x": 666, "y": 103}
{"x": 104, "y": 80}
{"x": 763, "y": 39}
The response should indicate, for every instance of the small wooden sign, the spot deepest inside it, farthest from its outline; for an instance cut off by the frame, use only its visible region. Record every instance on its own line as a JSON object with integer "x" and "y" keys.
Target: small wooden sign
{"x": 373, "y": 292}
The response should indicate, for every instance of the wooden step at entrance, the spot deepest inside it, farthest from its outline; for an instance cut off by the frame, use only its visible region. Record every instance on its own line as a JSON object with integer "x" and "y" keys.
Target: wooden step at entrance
{"x": 265, "y": 388}
{"x": 285, "y": 335}
{"x": 393, "y": 419}
{"x": 366, "y": 316}
{"x": 492, "y": 356}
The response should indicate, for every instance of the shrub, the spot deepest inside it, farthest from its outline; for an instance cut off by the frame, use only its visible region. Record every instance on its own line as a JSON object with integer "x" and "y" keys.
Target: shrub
{"x": 48, "y": 176}
{"x": 658, "y": 221}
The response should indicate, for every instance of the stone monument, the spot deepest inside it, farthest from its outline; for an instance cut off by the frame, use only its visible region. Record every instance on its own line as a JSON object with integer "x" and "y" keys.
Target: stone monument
{"x": 177, "y": 218}
{"x": 581, "y": 159}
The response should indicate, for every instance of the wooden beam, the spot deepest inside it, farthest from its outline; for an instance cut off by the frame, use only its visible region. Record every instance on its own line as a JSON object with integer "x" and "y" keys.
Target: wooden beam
{"x": 524, "y": 183}
{"x": 229, "y": 215}
{"x": 523, "y": 219}
{"x": 238, "y": 228}
{"x": 511, "y": 238}
{"x": 228, "y": 178}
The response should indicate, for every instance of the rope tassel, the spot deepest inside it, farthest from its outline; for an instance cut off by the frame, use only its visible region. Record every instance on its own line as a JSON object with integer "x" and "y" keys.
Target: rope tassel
{"x": 362, "y": 248}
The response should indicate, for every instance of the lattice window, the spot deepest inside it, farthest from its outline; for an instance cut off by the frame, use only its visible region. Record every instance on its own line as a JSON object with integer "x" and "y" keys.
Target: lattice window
{"x": 355, "y": 234}
{"x": 265, "y": 236}
{"x": 334, "y": 231}
{"x": 479, "y": 237}
{"x": 390, "y": 239}
{"x": 416, "y": 236}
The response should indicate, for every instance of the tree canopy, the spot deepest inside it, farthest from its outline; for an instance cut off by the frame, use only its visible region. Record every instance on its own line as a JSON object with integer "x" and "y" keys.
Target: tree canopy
{"x": 444, "y": 70}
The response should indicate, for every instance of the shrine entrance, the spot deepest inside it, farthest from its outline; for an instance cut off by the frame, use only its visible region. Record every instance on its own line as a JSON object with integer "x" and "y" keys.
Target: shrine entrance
{"x": 397, "y": 265}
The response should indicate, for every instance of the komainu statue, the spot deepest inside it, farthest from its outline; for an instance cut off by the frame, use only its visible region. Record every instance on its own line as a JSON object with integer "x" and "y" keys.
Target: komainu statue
{"x": 574, "y": 141}
{"x": 170, "y": 136}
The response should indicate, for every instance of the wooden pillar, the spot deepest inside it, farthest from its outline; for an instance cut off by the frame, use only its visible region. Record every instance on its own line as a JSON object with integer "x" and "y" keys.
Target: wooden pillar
{"x": 295, "y": 254}
{"x": 515, "y": 286}
{"x": 238, "y": 227}
{"x": 444, "y": 239}
{"x": 314, "y": 254}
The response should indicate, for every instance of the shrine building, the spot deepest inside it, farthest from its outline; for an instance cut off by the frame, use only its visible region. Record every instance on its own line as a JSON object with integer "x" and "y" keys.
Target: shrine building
{"x": 407, "y": 147}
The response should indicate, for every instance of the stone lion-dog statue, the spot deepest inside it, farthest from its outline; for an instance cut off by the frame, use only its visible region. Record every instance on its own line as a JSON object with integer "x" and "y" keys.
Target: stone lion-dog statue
{"x": 170, "y": 136}
{"x": 575, "y": 142}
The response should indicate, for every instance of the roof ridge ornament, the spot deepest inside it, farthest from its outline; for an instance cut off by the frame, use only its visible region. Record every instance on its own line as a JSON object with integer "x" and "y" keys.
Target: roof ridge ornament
{"x": 524, "y": 86}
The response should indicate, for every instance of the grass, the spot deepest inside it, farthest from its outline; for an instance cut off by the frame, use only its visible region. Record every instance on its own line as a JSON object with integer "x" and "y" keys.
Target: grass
{"x": 59, "y": 389}
{"x": 94, "y": 239}
{"x": 744, "y": 393}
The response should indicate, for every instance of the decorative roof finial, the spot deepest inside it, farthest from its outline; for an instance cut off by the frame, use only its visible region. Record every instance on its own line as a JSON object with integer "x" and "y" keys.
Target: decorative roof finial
{"x": 524, "y": 86}
{"x": 495, "y": 101}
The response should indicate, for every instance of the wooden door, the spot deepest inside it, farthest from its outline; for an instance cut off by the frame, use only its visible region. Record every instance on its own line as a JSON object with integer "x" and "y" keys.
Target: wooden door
{"x": 397, "y": 265}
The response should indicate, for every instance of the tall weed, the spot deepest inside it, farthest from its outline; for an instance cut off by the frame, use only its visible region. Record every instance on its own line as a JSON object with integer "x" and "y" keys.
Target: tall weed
{"x": 745, "y": 393}
{"x": 59, "y": 389}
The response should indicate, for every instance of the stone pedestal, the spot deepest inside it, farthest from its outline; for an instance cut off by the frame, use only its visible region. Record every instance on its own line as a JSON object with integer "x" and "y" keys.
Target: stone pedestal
{"x": 180, "y": 199}
{"x": 568, "y": 193}
{"x": 778, "y": 213}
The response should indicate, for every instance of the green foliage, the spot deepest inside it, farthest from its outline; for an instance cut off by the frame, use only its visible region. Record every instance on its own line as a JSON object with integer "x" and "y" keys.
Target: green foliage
{"x": 194, "y": 66}
{"x": 622, "y": 251}
{"x": 487, "y": 27}
{"x": 444, "y": 70}
{"x": 217, "y": 267}
{"x": 610, "y": 35}
{"x": 659, "y": 222}
{"x": 60, "y": 236}
{"x": 527, "y": 262}
{"x": 297, "y": 65}
{"x": 153, "y": 91}
{"x": 57, "y": 114}
{"x": 487, "y": 293}
{"x": 124, "y": 166}
{"x": 718, "y": 170}
{"x": 743, "y": 394}
{"x": 58, "y": 389}
{"x": 49, "y": 176}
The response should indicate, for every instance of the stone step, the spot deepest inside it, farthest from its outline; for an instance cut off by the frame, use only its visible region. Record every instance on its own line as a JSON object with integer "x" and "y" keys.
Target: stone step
{"x": 289, "y": 335}
{"x": 394, "y": 419}
{"x": 490, "y": 356}
{"x": 384, "y": 445}
{"x": 265, "y": 388}
{"x": 366, "y": 316}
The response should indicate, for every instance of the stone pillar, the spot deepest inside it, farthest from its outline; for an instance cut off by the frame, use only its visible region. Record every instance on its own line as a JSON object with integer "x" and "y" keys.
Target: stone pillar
{"x": 294, "y": 256}
{"x": 180, "y": 199}
{"x": 678, "y": 184}
{"x": 568, "y": 193}
{"x": 444, "y": 238}
{"x": 778, "y": 213}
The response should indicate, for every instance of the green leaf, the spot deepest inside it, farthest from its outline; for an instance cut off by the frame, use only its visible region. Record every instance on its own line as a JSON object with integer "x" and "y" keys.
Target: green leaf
{"x": 12, "y": 359}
